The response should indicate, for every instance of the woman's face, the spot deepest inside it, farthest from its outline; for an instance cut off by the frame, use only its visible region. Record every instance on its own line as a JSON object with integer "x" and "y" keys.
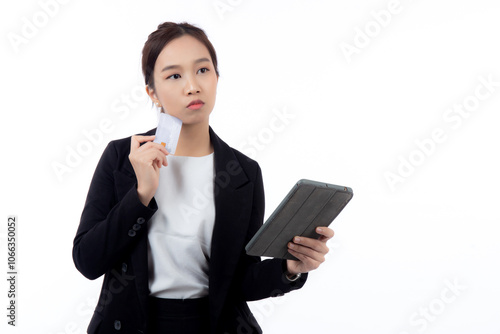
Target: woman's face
{"x": 184, "y": 73}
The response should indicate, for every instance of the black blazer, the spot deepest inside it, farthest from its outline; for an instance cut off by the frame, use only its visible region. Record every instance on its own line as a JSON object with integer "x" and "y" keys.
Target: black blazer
{"x": 112, "y": 240}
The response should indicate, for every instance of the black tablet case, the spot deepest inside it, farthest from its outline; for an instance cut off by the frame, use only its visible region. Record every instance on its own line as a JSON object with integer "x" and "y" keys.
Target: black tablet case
{"x": 309, "y": 204}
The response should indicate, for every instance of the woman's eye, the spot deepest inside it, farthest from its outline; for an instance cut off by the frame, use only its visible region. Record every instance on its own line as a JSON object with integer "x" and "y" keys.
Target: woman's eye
{"x": 174, "y": 76}
{"x": 203, "y": 70}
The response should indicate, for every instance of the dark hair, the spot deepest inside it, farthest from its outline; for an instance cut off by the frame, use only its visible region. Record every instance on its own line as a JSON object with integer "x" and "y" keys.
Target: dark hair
{"x": 165, "y": 33}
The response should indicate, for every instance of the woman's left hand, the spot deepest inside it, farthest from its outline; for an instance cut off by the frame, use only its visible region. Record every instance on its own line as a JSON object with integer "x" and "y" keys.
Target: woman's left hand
{"x": 310, "y": 252}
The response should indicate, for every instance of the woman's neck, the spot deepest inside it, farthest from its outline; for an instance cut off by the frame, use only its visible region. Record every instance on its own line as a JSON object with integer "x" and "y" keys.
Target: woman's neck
{"x": 194, "y": 140}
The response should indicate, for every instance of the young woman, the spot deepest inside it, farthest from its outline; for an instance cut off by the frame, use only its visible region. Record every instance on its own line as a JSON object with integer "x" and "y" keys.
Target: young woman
{"x": 168, "y": 231}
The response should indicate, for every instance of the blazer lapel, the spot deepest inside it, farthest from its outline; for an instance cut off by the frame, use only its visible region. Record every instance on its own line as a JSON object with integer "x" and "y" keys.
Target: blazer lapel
{"x": 233, "y": 194}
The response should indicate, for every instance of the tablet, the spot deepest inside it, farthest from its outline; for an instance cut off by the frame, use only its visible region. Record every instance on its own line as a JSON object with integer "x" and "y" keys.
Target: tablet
{"x": 309, "y": 204}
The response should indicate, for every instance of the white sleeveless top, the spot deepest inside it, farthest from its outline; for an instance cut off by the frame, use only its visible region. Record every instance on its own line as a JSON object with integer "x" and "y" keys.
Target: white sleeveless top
{"x": 180, "y": 232}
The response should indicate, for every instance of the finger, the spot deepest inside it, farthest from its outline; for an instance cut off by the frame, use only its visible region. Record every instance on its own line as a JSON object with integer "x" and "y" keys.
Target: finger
{"x": 325, "y": 232}
{"x": 135, "y": 141}
{"x": 149, "y": 156}
{"x": 156, "y": 167}
{"x": 159, "y": 158}
{"x": 156, "y": 146}
{"x": 315, "y": 244}
{"x": 308, "y": 263}
{"x": 142, "y": 139}
{"x": 309, "y": 252}
{"x": 164, "y": 150}
{"x": 149, "y": 149}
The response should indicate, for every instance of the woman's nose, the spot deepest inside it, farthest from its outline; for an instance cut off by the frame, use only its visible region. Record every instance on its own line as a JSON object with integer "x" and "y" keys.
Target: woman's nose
{"x": 192, "y": 86}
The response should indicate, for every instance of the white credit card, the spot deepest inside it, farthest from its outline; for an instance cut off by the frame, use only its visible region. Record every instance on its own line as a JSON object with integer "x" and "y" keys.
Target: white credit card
{"x": 168, "y": 131}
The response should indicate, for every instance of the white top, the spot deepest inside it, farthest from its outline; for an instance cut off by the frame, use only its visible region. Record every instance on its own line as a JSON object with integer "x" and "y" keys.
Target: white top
{"x": 180, "y": 232}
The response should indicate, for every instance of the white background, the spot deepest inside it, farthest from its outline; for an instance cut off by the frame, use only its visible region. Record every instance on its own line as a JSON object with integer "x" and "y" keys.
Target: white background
{"x": 352, "y": 121}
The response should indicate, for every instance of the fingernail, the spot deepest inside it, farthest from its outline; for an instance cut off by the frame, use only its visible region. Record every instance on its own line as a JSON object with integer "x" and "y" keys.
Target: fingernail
{"x": 291, "y": 245}
{"x": 297, "y": 239}
{"x": 320, "y": 230}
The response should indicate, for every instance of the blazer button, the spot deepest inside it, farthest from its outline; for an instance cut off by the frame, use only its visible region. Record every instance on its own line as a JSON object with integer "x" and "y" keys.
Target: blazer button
{"x": 124, "y": 267}
{"x": 136, "y": 227}
{"x": 141, "y": 220}
{"x": 118, "y": 325}
{"x": 131, "y": 233}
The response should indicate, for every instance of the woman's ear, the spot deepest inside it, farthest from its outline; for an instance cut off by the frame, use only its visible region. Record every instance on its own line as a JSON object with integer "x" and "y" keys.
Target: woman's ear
{"x": 151, "y": 92}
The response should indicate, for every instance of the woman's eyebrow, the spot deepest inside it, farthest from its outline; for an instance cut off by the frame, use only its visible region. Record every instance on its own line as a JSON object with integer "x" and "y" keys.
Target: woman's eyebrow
{"x": 200, "y": 60}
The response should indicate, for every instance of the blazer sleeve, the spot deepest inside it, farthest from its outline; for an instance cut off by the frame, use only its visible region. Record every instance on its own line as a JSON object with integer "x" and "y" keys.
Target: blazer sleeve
{"x": 111, "y": 221}
{"x": 263, "y": 279}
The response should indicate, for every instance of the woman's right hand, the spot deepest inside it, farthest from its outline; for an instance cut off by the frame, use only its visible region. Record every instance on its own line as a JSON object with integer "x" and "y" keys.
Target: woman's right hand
{"x": 147, "y": 160}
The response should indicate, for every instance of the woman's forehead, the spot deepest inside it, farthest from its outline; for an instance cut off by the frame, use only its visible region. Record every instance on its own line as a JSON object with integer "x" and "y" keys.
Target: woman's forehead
{"x": 184, "y": 49}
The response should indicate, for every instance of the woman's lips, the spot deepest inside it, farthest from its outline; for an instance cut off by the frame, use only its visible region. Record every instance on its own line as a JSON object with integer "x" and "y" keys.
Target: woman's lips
{"x": 196, "y": 104}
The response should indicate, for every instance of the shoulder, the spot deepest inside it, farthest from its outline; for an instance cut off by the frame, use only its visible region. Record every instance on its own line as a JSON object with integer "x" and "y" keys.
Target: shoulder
{"x": 233, "y": 158}
{"x": 116, "y": 152}
{"x": 245, "y": 161}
